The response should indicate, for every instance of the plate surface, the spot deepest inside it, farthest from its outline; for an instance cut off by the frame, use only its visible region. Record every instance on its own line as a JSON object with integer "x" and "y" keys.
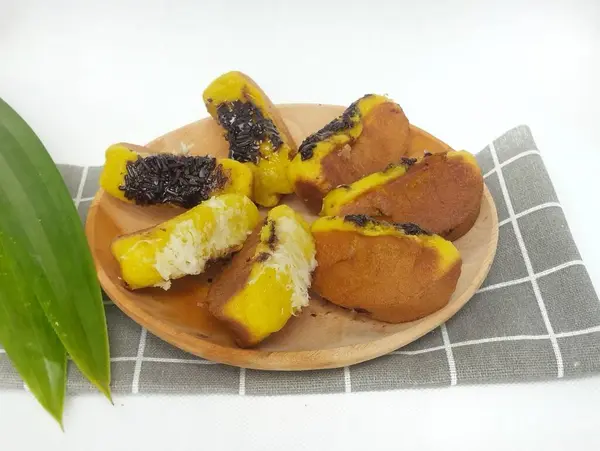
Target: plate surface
{"x": 323, "y": 335}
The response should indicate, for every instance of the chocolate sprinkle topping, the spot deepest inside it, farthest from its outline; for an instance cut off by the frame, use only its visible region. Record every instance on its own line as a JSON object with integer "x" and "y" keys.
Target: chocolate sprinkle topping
{"x": 245, "y": 129}
{"x": 408, "y": 228}
{"x": 262, "y": 257}
{"x": 339, "y": 124}
{"x": 408, "y": 161}
{"x": 411, "y": 229}
{"x": 359, "y": 220}
{"x": 272, "y": 236}
{"x": 182, "y": 180}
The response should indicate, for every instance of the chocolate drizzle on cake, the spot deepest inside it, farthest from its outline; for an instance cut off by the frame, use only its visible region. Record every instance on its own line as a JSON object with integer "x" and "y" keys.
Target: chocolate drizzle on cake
{"x": 339, "y": 124}
{"x": 175, "y": 179}
{"x": 407, "y": 228}
{"x": 246, "y": 128}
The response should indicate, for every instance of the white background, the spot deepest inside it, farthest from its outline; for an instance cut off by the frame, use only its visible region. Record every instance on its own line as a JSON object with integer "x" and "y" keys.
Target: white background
{"x": 86, "y": 74}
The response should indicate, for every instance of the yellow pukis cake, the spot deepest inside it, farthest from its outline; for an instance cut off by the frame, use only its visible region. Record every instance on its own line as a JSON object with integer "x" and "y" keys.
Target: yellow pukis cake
{"x": 185, "y": 244}
{"x": 256, "y": 133}
{"x": 370, "y": 134}
{"x": 134, "y": 174}
{"x": 391, "y": 272}
{"x": 268, "y": 280}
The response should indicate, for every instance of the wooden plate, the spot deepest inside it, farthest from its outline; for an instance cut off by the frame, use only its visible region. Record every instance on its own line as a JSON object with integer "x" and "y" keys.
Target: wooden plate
{"x": 323, "y": 335}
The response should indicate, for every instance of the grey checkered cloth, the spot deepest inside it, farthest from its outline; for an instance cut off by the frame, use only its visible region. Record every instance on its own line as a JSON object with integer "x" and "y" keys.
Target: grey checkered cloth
{"x": 536, "y": 317}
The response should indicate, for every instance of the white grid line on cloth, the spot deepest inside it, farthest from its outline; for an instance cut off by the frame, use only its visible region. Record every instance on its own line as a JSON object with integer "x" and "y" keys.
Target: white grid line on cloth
{"x": 164, "y": 360}
{"x": 108, "y": 302}
{"x": 449, "y": 355}
{"x": 546, "y": 272}
{"x": 574, "y": 333}
{"x": 242, "y": 389}
{"x": 420, "y": 351}
{"x": 531, "y": 210}
{"x": 479, "y": 341}
{"x": 2, "y": 351}
{"x": 84, "y": 174}
{"x": 85, "y": 199}
{"x": 135, "y": 384}
{"x": 347, "y": 380}
{"x": 528, "y": 265}
{"x": 510, "y": 160}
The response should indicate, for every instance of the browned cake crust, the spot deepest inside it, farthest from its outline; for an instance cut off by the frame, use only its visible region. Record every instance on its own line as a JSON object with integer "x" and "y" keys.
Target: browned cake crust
{"x": 230, "y": 281}
{"x": 385, "y": 139}
{"x": 390, "y": 278}
{"x": 440, "y": 194}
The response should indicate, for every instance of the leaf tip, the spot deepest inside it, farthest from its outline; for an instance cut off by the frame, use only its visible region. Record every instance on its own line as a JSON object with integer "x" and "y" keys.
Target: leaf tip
{"x": 57, "y": 415}
{"x": 105, "y": 390}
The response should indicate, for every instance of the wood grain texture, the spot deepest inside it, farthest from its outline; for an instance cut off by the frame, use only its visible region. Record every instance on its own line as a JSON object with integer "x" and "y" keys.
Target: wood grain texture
{"x": 323, "y": 335}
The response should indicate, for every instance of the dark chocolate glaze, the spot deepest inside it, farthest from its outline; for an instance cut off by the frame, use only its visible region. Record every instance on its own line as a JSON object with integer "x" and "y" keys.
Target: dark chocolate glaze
{"x": 182, "y": 180}
{"x": 245, "y": 129}
{"x": 341, "y": 123}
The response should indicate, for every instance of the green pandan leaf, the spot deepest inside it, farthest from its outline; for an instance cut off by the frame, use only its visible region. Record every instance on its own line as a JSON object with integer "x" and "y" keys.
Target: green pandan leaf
{"x": 29, "y": 341}
{"x": 51, "y": 253}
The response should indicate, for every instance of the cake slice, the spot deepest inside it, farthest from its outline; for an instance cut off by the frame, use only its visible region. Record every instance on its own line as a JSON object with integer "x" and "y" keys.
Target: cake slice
{"x": 370, "y": 134}
{"x": 440, "y": 192}
{"x": 391, "y": 272}
{"x": 185, "y": 244}
{"x": 133, "y": 174}
{"x": 255, "y": 131}
{"x": 268, "y": 280}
